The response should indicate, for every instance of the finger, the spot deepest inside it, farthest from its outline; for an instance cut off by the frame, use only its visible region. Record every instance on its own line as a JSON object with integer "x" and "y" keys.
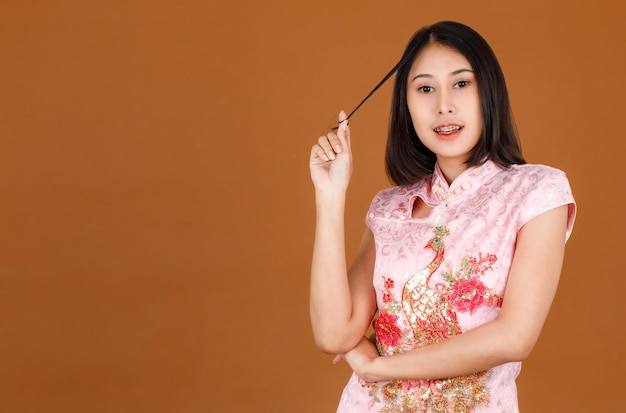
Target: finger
{"x": 338, "y": 358}
{"x": 324, "y": 142}
{"x": 343, "y": 131}
{"x": 334, "y": 142}
{"x": 317, "y": 153}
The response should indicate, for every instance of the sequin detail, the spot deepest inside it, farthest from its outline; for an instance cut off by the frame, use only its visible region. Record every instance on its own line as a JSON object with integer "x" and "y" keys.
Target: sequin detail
{"x": 458, "y": 394}
{"x": 432, "y": 316}
{"x": 482, "y": 218}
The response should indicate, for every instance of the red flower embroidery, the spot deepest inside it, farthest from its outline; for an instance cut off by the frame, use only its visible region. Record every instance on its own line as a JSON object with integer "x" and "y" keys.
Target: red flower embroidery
{"x": 388, "y": 283}
{"x": 468, "y": 295}
{"x": 387, "y": 331}
{"x": 386, "y": 297}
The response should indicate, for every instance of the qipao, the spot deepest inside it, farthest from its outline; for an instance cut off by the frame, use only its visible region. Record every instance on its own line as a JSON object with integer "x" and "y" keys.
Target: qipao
{"x": 445, "y": 274}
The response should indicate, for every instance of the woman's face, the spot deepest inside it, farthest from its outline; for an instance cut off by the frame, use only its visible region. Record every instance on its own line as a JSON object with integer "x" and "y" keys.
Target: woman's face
{"x": 443, "y": 100}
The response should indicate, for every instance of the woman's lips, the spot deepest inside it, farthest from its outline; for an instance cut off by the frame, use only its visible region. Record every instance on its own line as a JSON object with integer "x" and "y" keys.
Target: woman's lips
{"x": 448, "y": 131}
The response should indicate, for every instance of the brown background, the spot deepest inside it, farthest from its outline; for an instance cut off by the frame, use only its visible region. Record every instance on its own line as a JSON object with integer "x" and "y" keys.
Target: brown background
{"x": 156, "y": 216}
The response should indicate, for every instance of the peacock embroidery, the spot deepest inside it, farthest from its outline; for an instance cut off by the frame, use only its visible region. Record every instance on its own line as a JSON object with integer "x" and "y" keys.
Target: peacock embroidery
{"x": 432, "y": 317}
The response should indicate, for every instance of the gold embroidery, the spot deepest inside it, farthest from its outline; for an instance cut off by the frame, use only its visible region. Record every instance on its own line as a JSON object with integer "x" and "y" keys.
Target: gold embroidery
{"x": 433, "y": 319}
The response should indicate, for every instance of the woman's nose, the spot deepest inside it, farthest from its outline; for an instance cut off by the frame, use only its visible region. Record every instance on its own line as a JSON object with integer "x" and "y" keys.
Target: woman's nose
{"x": 445, "y": 103}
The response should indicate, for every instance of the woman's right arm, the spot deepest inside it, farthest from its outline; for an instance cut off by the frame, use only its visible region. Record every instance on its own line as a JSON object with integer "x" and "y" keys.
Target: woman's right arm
{"x": 342, "y": 302}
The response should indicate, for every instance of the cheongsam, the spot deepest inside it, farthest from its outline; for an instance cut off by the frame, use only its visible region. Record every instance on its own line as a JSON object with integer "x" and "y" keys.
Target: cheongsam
{"x": 445, "y": 274}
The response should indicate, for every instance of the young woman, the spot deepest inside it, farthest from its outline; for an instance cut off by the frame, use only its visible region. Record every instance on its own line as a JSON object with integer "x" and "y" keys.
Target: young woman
{"x": 460, "y": 261}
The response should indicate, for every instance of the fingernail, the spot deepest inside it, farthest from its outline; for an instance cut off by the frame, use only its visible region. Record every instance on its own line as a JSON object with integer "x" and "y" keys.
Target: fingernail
{"x": 337, "y": 148}
{"x": 344, "y": 125}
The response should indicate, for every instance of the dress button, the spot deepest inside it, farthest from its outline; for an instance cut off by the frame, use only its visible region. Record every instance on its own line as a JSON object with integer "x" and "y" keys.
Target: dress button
{"x": 387, "y": 214}
{"x": 371, "y": 215}
{"x": 402, "y": 217}
{"x": 466, "y": 185}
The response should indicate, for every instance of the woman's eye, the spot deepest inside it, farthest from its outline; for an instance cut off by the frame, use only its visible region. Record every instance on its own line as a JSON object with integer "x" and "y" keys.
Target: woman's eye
{"x": 462, "y": 83}
{"x": 425, "y": 89}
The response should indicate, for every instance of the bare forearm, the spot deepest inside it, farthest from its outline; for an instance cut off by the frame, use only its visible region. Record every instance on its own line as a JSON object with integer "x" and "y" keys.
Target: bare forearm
{"x": 531, "y": 286}
{"x": 330, "y": 300}
{"x": 343, "y": 300}
{"x": 483, "y": 348}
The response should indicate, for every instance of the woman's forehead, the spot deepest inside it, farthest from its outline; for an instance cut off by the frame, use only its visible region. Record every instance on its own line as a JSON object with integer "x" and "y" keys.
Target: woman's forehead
{"x": 438, "y": 59}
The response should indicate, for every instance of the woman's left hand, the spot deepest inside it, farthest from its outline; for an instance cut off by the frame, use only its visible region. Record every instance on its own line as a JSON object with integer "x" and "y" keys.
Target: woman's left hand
{"x": 361, "y": 359}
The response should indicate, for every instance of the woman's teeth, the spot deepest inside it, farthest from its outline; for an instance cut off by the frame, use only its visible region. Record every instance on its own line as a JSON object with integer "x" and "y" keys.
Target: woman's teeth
{"x": 447, "y": 129}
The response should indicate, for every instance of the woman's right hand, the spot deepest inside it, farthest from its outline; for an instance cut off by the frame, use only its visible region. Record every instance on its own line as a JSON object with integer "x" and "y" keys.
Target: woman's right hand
{"x": 331, "y": 159}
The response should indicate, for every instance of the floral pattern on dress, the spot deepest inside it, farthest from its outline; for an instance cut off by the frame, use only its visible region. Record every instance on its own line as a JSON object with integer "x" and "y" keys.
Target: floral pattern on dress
{"x": 387, "y": 330}
{"x": 454, "y": 395}
{"x": 484, "y": 215}
{"x": 431, "y": 312}
{"x": 465, "y": 290}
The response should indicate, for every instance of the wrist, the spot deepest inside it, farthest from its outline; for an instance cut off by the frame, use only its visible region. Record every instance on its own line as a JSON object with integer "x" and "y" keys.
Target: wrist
{"x": 329, "y": 197}
{"x": 373, "y": 370}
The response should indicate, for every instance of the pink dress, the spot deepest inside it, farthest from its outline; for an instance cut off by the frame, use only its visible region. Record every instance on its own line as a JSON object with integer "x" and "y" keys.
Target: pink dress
{"x": 445, "y": 274}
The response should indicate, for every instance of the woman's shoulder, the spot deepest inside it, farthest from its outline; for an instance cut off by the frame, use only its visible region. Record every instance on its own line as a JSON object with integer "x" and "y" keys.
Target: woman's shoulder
{"x": 402, "y": 191}
{"x": 533, "y": 170}
{"x": 532, "y": 177}
{"x": 528, "y": 179}
{"x": 540, "y": 188}
{"x": 389, "y": 193}
{"x": 394, "y": 202}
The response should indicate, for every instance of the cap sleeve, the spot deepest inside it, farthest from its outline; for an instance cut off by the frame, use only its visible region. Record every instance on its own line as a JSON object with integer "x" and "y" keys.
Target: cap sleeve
{"x": 548, "y": 188}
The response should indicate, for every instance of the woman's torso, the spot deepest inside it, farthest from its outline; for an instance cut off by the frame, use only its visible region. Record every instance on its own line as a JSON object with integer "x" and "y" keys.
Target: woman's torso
{"x": 445, "y": 274}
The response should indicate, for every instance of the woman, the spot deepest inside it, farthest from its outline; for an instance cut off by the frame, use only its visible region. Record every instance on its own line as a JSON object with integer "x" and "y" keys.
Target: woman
{"x": 460, "y": 260}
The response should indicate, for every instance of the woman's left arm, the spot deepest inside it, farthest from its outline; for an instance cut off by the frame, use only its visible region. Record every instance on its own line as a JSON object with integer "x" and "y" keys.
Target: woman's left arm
{"x": 531, "y": 287}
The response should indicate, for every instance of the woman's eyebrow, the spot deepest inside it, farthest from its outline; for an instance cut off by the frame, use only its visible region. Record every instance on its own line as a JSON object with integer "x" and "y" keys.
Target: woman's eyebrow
{"x": 453, "y": 73}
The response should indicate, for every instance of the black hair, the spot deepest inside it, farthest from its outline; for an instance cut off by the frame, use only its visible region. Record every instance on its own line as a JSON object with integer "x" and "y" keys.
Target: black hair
{"x": 407, "y": 160}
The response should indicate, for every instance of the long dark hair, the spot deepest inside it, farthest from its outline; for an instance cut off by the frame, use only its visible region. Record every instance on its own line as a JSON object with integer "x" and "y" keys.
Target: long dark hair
{"x": 407, "y": 160}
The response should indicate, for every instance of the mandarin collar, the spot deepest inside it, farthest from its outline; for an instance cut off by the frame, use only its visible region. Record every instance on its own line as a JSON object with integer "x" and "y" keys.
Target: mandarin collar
{"x": 440, "y": 191}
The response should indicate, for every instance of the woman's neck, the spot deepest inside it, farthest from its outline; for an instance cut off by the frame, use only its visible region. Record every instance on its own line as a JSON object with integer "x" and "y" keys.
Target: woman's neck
{"x": 451, "y": 169}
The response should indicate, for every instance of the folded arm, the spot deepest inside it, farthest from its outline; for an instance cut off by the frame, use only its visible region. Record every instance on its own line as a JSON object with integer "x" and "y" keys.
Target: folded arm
{"x": 530, "y": 290}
